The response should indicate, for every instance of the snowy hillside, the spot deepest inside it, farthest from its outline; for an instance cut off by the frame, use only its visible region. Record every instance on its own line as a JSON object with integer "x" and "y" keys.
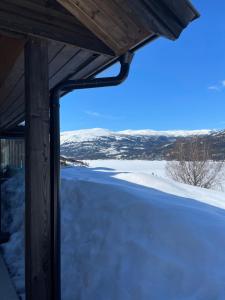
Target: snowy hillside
{"x": 100, "y": 143}
{"x": 130, "y": 233}
{"x": 94, "y": 133}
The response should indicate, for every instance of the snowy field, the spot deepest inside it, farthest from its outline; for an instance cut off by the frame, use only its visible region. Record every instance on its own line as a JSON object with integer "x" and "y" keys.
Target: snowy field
{"x": 130, "y": 233}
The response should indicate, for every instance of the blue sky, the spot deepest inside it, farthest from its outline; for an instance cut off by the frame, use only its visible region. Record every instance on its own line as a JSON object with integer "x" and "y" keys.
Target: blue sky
{"x": 172, "y": 85}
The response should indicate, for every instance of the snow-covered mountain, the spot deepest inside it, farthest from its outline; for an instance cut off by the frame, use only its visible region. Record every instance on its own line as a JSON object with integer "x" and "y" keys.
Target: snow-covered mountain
{"x": 98, "y": 143}
{"x": 94, "y": 133}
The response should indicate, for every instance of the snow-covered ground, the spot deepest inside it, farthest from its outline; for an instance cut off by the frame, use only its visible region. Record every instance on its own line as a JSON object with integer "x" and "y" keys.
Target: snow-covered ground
{"x": 130, "y": 233}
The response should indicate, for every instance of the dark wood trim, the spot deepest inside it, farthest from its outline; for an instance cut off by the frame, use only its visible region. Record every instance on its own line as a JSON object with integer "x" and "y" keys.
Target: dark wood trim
{"x": 28, "y": 17}
{"x": 14, "y": 133}
{"x": 38, "y": 228}
{"x": 51, "y": 2}
{"x": 10, "y": 50}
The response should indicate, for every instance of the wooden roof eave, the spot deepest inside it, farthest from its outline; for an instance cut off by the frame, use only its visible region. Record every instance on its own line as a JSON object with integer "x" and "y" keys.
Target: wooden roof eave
{"x": 121, "y": 24}
{"x": 69, "y": 62}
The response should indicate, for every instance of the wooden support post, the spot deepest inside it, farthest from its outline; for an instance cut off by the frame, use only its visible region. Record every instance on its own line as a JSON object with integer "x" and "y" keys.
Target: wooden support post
{"x": 38, "y": 254}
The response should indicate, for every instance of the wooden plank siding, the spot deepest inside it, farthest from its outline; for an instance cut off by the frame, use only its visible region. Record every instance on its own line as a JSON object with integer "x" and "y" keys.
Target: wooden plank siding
{"x": 109, "y": 22}
{"x": 36, "y": 18}
{"x": 65, "y": 61}
{"x": 12, "y": 153}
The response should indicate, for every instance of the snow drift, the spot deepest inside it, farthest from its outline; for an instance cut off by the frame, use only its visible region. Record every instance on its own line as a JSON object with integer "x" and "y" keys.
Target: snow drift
{"x": 124, "y": 237}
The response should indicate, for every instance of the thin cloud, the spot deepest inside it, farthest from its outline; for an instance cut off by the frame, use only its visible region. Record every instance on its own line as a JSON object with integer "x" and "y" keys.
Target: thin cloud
{"x": 217, "y": 87}
{"x": 213, "y": 88}
{"x": 93, "y": 114}
{"x": 102, "y": 116}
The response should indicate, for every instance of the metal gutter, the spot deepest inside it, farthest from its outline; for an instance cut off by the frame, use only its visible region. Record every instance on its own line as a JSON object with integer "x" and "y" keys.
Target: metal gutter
{"x": 68, "y": 86}
{"x": 115, "y": 60}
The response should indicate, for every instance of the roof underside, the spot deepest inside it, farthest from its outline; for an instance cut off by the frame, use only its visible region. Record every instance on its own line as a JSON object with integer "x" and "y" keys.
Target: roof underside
{"x": 84, "y": 40}
{"x": 65, "y": 62}
{"x": 123, "y": 24}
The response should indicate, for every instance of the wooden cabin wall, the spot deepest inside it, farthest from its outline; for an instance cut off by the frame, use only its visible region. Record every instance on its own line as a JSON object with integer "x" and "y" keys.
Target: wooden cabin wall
{"x": 12, "y": 153}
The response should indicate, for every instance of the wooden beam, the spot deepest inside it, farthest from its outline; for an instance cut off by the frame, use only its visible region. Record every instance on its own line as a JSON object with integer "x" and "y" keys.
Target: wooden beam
{"x": 39, "y": 275}
{"x": 35, "y": 18}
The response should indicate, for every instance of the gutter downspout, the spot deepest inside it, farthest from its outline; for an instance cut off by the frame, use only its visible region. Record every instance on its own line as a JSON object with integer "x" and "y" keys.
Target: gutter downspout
{"x": 68, "y": 86}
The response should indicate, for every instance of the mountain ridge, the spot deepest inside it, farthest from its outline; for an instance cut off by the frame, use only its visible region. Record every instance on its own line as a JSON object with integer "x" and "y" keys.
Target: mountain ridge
{"x": 91, "y": 133}
{"x": 99, "y": 143}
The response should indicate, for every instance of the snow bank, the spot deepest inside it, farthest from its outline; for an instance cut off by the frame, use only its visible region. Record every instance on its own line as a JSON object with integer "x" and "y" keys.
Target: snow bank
{"x": 13, "y": 211}
{"x": 124, "y": 237}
